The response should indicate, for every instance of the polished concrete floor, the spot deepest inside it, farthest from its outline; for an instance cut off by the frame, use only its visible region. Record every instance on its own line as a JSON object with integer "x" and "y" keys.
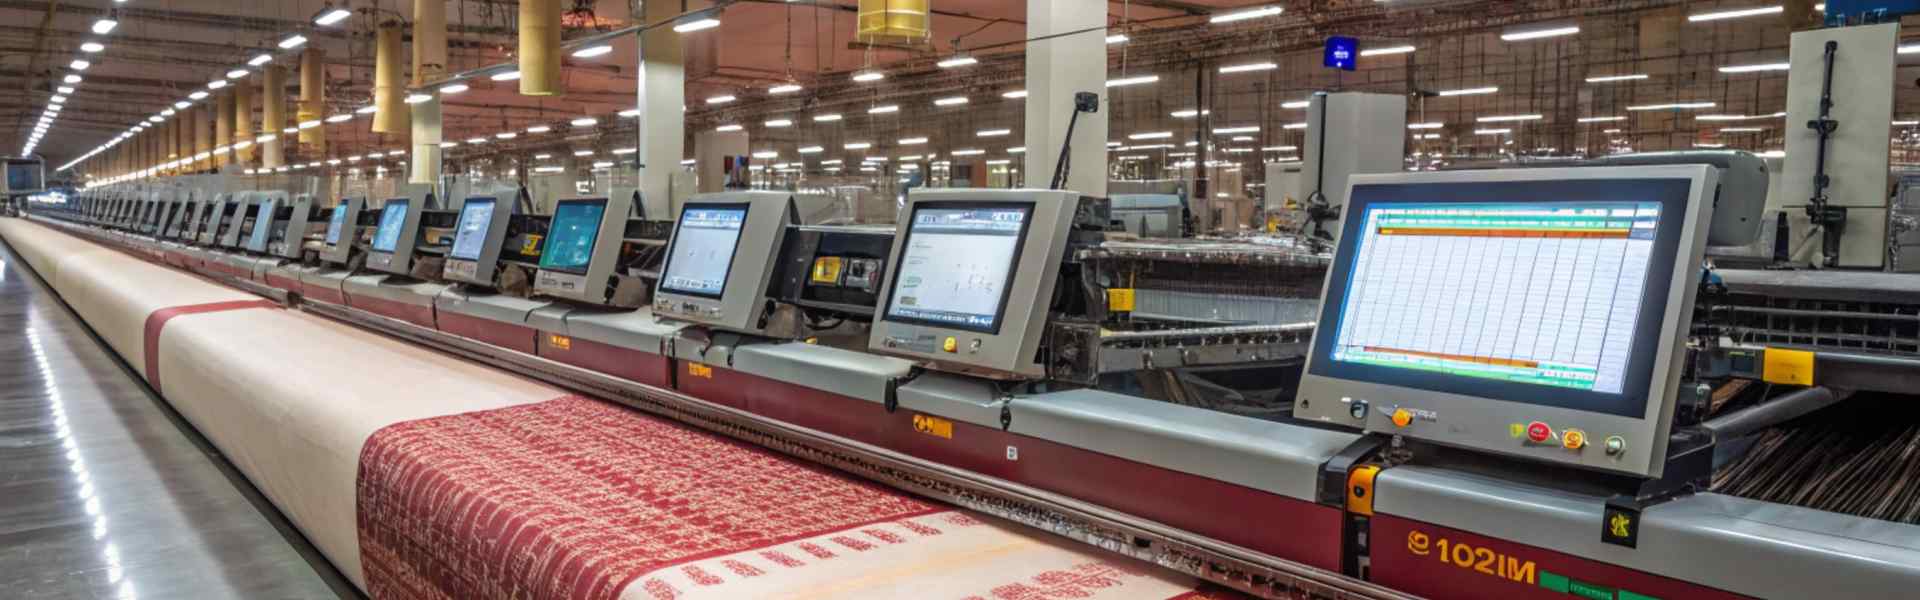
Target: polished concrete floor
{"x": 105, "y": 493}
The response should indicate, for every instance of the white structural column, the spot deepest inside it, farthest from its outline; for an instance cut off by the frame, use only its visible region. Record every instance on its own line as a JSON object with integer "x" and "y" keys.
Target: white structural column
{"x": 662, "y": 128}
{"x": 1057, "y": 68}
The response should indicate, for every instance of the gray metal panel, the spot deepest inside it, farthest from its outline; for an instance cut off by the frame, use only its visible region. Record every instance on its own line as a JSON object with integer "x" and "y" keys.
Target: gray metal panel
{"x": 1264, "y": 455}
{"x": 550, "y": 318}
{"x": 377, "y": 286}
{"x": 492, "y": 307}
{"x": 824, "y": 368}
{"x": 1850, "y": 286}
{"x": 1864, "y": 74}
{"x": 327, "y": 278}
{"x": 635, "y": 330}
{"x": 701, "y": 346}
{"x": 956, "y": 397}
{"x": 1735, "y": 544}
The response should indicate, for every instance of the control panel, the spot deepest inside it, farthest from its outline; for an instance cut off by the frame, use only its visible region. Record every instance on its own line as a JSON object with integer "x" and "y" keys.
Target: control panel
{"x": 721, "y": 258}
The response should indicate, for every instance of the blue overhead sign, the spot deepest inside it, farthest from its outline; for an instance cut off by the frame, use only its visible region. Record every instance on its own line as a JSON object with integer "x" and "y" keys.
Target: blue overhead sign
{"x": 1342, "y": 53}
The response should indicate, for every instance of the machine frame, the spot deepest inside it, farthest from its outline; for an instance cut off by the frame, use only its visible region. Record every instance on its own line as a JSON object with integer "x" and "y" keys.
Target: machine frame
{"x": 399, "y": 260}
{"x": 242, "y": 201}
{"x": 262, "y": 233}
{"x": 1491, "y": 424}
{"x": 347, "y": 214}
{"x": 480, "y": 269}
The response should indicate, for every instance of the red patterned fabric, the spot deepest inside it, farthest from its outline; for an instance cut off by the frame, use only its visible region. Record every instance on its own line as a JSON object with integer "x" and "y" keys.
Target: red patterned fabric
{"x": 575, "y": 498}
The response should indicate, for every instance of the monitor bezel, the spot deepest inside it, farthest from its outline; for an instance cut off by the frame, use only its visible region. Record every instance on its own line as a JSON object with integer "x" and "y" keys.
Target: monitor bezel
{"x": 592, "y": 242}
{"x": 1497, "y": 426}
{"x": 733, "y": 255}
{"x": 460, "y": 232}
{"x": 400, "y": 226}
{"x": 1006, "y": 286}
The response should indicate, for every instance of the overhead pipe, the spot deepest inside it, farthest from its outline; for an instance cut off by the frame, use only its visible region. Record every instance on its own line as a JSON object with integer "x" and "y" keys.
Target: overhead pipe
{"x": 273, "y": 116}
{"x": 429, "y": 40}
{"x": 539, "y": 47}
{"x": 243, "y": 123}
{"x": 313, "y": 98}
{"x": 389, "y": 81}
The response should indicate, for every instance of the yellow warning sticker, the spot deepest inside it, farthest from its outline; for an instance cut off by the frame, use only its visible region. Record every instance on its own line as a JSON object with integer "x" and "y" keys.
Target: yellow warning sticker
{"x": 531, "y": 246}
{"x": 1791, "y": 367}
{"x": 1120, "y": 299}
{"x": 934, "y": 426}
{"x": 699, "y": 370}
{"x": 560, "y": 341}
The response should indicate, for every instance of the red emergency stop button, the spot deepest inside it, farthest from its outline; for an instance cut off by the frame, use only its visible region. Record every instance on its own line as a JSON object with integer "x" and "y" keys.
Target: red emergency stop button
{"x": 1539, "y": 432}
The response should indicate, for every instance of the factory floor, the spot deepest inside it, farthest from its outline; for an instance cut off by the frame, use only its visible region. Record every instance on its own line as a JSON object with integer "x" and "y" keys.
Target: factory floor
{"x": 106, "y": 493}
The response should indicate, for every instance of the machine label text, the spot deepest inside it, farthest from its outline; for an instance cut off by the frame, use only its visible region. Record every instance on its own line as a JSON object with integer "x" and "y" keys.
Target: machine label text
{"x": 1475, "y": 558}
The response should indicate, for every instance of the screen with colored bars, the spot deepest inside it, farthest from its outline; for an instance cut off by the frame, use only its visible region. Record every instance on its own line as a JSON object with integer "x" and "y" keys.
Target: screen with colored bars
{"x": 471, "y": 233}
{"x": 1546, "y": 294}
{"x": 392, "y": 218}
{"x": 576, "y": 225}
{"x": 703, "y": 248}
{"x": 956, "y": 266}
{"x": 336, "y": 223}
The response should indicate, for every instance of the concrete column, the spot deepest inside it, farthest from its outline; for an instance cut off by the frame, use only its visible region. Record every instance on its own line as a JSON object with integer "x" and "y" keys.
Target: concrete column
{"x": 203, "y": 116}
{"x": 243, "y": 123}
{"x": 662, "y": 91}
{"x": 222, "y": 128}
{"x": 426, "y": 136}
{"x": 710, "y": 152}
{"x": 1058, "y": 68}
{"x": 313, "y": 99}
{"x": 273, "y": 116}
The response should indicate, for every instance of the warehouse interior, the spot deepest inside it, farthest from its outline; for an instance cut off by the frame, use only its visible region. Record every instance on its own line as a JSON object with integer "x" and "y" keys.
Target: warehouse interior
{"x": 995, "y": 299}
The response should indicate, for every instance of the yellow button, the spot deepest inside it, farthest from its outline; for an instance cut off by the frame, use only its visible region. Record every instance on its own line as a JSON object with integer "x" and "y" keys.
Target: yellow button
{"x": 1573, "y": 439}
{"x": 1402, "y": 418}
{"x": 1517, "y": 430}
{"x": 950, "y": 345}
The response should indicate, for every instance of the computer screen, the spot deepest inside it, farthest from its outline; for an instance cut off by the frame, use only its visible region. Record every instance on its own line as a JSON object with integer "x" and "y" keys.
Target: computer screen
{"x": 1543, "y": 296}
{"x": 392, "y": 218}
{"x": 576, "y": 224}
{"x": 24, "y": 176}
{"x": 263, "y": 224}
{"x": 336, "y": 223}
{"x": 471, "y": 232}
{"x": 703, "y": 247}
{"x": 957, "y": 264}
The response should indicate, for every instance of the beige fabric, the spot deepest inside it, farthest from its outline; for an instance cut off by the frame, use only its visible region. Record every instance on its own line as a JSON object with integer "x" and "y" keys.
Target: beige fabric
{"x": 293, "y": 416}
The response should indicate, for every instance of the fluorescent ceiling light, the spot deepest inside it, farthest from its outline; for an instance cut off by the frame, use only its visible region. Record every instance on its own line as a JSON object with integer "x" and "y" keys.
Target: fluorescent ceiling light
{"x": 1470, "y": 91}
{"x": 1907, "y": 49}
{"x": 71, "y": 79}
{"x": 584, "y": 122}
{"x": 583, "y": 153}
{"x": 366, "y": 110}
{"x": 293, "y": 42}
{"x": 453, "y": 88}
{"x": 1132, "y": 80}
{"x": 79, "y": 65}
{"x": 92, "y": 47}
{"x": 865, "y": 76}
{"x": 957, "y": 61}
{"x": 1742, "y": 129}
{"x": 1014, "y": 94}
{"x": 1905, "y": 123}
{"x": 182, "y": 105}
{"x": 993, "y": 132}
{"x": 1386, "y": 50}
{"x": 1300, "y": 125}
{"x": 1534, "y": 34}
{"x": 968, "y": 152}
{"x": 1672, "y": 106}
{"x": 699, "y": 25}
{"x": 539, "y": 129}
{"x": 1265, "y": 11}
{"x": 1296, "y": 104}
{"x": 1735, "y": 14}
{"x": 1263, "y": 66}
{"x": 1117, "y": 38}
{"x": 261, "y": 60}
{"x": 1613, "y": 78}
{"x": 881, "y": 110}
{"x": 721, "y": 99}
{"x": 478, "y": 140}
{"x": 766, "y": 154}
{"x": 779, "y": 123}
{"x": 630, "y": 113}
{"x": 785, "y": 88}
{"x": 1233, "y": 130}
{"x": 811, "y": 149}
{"x": 955, "y": 100}
{"x": 1508, "y": 118}
{"x": 216, "y": 84}
{"x": 828, "y": 118}
{"x": 593, "y": 51}
{"x": 1492, "y": 131}
{"x": 857, "y": 145}
{"x": 1601, "y": 119}
{"x": 309, "y": 124}
{"x": 417, "y": 98}
{"x": 1433, "y": 125}
{"x": 1151, "y": 135}
{"x": 339, "y": 118}
{"x": 507, "y": 135}
{"x": 729, "y": 127}
{"x": 57, "y": 99}
{"x": 625, "y": 151}
{"x": 507, "y": 76}
{"x": 913, "y": 141}
{"x": 449, "y": 144}
{"x": 1279, "y": 148}
{"x": 332, "y": 16}
{"x": 64, "y": 89}
{"x": 1755, "y": 68}
{"x": 104, "y": 26}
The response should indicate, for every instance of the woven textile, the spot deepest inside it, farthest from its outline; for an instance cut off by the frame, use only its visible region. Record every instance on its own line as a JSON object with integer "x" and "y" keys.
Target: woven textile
{"x": 574, "y": 498}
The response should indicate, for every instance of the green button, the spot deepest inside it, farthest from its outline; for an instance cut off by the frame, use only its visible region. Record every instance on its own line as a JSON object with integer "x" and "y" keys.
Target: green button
{"x": 1626, "y": 595}
{"x": 1553, "y": 582}
{"x": 1588, "y": 590}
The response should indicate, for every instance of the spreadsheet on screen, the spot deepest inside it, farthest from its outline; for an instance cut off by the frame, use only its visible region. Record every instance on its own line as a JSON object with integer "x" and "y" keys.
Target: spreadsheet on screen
{"x": 1540, "y": 293}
